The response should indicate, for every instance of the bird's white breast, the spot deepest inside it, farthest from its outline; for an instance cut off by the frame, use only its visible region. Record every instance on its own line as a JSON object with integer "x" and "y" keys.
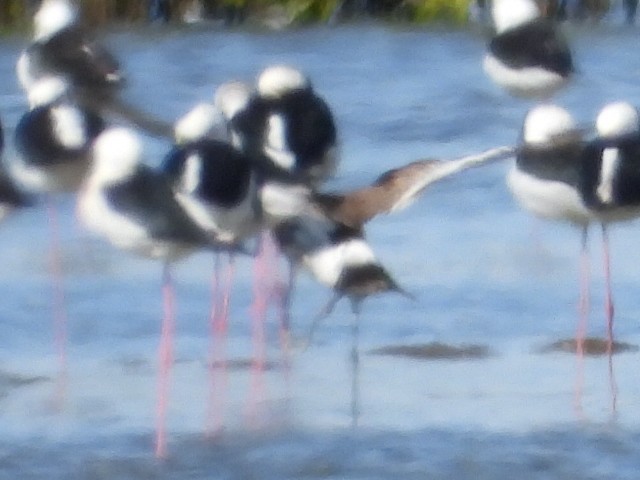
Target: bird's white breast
{"x": 548, "y": 199}
{"x": 525, "y": 82}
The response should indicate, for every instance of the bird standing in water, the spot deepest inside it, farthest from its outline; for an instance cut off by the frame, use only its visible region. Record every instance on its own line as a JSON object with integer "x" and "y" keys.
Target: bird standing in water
{"x": 134, "y": 207}
{"x": 53, "y": 141}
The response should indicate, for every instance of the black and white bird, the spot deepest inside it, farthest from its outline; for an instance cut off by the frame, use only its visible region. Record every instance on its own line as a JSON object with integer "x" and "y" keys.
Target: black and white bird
{"x": 63, "y": 46}
{"x": 216, "y": 185}
{"x": 133, "y": 206}
{"x": 53, "y": 140}
{"x": 212, "y": 180}
{"x": 528, "y": 55}
{"x": 288, "y": 131}
{"x": 611, "y": 181}
{"x": 288, "y": 126}
{"x": 548, "y": 181}
{"x": 546, "y": 176}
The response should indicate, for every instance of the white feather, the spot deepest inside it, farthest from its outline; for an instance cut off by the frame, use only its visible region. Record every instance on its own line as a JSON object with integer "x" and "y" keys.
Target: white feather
{"x": 610, "y": 161}
{"x": 551, "y": 200}
{"x": 277, "y": 80}
{"x": 116, "y": 154}
{"x": 53, "y": 16}
{"x": 327, "y": 264}
{"x": 69, "y": 126}
{"x": 24, "y": 72}
{"x": 545, "y": 122}
{"x": 509, "y": 14}
{"x": 616, "y": 119}
{"x": 280, "y": 201}
{"x": 46, "y": 90}
{"x": 231, "y": 97}
{"x": 196, "y": 124}
{"x": 276, "y": 143}
{"x": 530, "y": 82}
{"x": 191, "y": 178}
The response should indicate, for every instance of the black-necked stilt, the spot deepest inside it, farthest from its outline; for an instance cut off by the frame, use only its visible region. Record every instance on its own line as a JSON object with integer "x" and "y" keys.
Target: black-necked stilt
{"x": 63, "y": 46}
{"x": 53, "y": 139}
{"x": 528, "y": 55}
{"x": 288, "y": 126}
{"x": 547, "y": 176}
{"x": 216, "y": 185}
{"x": 134, "y": 207}
{"x": 289, "y": 132}
{"x": 53, "y": 142}
{"x": 547, "y": 180}
{"x": 611, "y": 180}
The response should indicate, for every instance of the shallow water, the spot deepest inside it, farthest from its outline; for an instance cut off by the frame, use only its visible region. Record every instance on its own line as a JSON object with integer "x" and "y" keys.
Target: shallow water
{"x": 483, "y": 272}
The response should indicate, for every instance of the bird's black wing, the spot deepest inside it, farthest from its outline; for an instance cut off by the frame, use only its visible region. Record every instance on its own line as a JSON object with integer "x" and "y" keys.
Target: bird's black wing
{"x": 147, "y": 198}
{"x": 538, "y": 43}
{"x": 310, "y": 127}
{"x": 10, "y": 194}
{"x": 81, "y": 59}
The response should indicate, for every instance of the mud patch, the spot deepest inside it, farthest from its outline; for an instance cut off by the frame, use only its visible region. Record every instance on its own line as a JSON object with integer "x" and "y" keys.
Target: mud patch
{"x": 592, "y": 346}
{"x": 10, "y": 381}
{"x": 236, "y": 364}
{"x": 435, "y": 351}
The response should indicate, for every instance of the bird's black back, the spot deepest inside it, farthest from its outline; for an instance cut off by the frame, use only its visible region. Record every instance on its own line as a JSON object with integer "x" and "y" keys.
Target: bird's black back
{"x": 625, "y": 187}
{"x": 310, "y": 126}
{"x": 309, "y": 129}
{"x": 537, "y": 43}
{"x": 73, "y": 53}
{"x": 225, "y": 172}
{"x": 36, "y": 141}
{"x": 147, "y": 199}
{"x": 556, "y": 163}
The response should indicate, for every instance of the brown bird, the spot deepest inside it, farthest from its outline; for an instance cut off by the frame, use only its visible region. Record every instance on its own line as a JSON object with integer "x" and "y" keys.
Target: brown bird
{"x": 398, "y": 188}
{"x": 327, "y": 237}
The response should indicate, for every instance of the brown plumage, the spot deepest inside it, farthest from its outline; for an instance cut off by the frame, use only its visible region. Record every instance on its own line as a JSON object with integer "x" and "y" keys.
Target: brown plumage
{"x": 398, "y": 188}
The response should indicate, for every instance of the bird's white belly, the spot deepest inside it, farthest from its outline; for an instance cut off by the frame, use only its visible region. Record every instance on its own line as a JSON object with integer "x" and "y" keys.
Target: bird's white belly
{"x": 524, "y": 82}
{"x": 548, "y": 199}
{"x": 226, "y": 225}
{"x": 121, "y": 231}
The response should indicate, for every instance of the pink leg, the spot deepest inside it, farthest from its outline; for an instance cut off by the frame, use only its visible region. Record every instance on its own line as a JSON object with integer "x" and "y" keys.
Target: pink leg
{"x": 213, "y": 423}
{"x": 608, "y": 299}
{"x": 285, "y": 295}
{"x": 60, "y": 319}
{"x": 262, "y": 291}
{"x": 583, "y": 307}
{"x": 165, "y": 361}
{"x": 609, "y": 312}
{"x": 219, "y": 328}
